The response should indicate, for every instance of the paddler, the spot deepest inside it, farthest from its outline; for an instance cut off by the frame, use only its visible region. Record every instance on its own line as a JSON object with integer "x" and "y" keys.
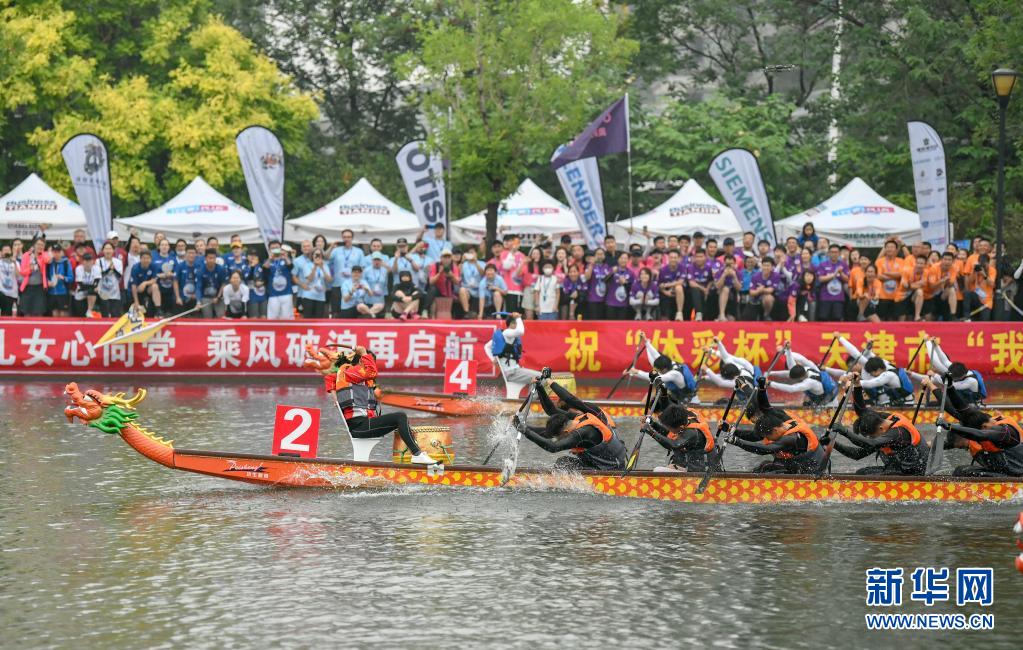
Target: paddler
{"x": 819, "y": 388}
{"x": 580, "y": 427}
{"x": 789, "y": 439}
{"x": 685, "y": 435}
{"x": 884, "y": 382}
{"x": 994, "y": 441}
{"x": 893, "y": 437}
{"x": 353, "y": 386}
{"x": 676, "y": 377}
{"x": 733, "y": 368}
{"x": 505, "y": 347}
{"x": 969, "y": 383}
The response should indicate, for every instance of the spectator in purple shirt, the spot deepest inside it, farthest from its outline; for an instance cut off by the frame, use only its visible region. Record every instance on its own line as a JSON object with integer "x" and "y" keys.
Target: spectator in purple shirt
{"x": 671, "y": 281}
{"x": 728, "y": 282}
{"x": 619, "y": 283}
{"x": 644, "y": 296}
{"x": 833, "y": 278}
{"x": 573, "y": 294}
{"x": 764, "y": 285}
{"x": 792, "y": 251}
{"x": 700, "y": 278}
{"x": 596, "y": 279}
{"x": 728, "y": 250}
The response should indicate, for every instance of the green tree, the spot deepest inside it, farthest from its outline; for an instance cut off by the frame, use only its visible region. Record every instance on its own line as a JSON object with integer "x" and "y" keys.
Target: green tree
{"x": 515, "y": 80}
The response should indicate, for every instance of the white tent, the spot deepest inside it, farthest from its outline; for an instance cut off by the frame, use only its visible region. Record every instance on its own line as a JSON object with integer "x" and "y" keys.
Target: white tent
{"x": 34, "y": 202}
{"x": 529, "y": 211}
{"x": 363, "y": 210}
{"x": 856, "y": 216}
{"x": 689, "y": 210}
{"x": 197, "y": 211}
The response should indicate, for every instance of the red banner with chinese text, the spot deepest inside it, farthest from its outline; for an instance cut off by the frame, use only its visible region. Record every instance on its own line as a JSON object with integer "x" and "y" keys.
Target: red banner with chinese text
{"x": 599, "y": 348}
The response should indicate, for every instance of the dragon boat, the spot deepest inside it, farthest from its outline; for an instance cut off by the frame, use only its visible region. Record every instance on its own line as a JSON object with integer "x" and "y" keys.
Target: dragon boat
{"x": 117, "y": 415}
{"x": 462, "y": 405}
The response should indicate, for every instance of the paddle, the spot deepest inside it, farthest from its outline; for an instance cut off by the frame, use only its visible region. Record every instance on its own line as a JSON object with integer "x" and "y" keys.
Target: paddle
{"x": 511, "y": 463}
{"x": 719, "y": 442}
{"x": 699, "y": 369}
{"x": 525, "y": 405}
{"x": 830, "y": 431}
{"x": 919, "y": 403}
{"x": 634, "y": 456}
{"x": 820, "y": 366}
{"x": 628, "y": 371}
{"x": 937, "y": 453}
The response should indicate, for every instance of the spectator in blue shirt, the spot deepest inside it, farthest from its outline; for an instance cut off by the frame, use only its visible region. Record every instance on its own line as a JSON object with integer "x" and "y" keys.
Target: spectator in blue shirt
{"x": 353, "y": 294}
{"x": 280, "y": 305}
{"x": 210, "y": 285}
{"x": 342, "y": 259}
{"x": 235, "y": 260}
{"x": 435, "y": 242}
{"x": 165, "y": 261}
{"x": 59, "y": 273}
{"x": 254, "y": 276}
{"x": 186, "y": 281}
{"x": 144, "y": 284}
{"x": 313, "y": 280}
{"x": 469, "y": 289}
{"x": 376, "y": 277}
{"x": 492, "y": 292}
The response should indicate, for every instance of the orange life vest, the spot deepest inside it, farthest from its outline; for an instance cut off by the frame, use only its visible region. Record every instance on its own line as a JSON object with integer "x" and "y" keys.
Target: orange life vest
{"x": 698, "y": 423}
{"x": 591, "y": 420}
{"x": 899, "y": 420}
{"x": 795, "y": 425}
{"x": 988, "y": 446}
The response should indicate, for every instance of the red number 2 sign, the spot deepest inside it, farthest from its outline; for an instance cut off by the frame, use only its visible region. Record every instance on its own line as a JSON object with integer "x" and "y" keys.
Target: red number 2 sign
{"x": 460, "y": 376}
{"x": 296, "y": 431}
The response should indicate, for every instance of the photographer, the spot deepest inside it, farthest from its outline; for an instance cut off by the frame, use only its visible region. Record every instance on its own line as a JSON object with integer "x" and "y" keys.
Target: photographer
{"x": 978, "y": 297}
{"x": 444, "y": 277}
{"x": 492, "y": 292}
{"x": 313, "y": 282}
{"x": 469, "y": 289}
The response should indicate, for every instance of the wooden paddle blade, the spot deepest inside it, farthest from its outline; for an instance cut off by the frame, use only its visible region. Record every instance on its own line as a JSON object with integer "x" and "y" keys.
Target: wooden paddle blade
{"x": 937, "y": 453}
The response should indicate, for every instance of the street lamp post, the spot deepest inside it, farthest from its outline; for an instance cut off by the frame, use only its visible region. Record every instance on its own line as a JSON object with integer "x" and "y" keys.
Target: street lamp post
{"x": 1004, "y": 80}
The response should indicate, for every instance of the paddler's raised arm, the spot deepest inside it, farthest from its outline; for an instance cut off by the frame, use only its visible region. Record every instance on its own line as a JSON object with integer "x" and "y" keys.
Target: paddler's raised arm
{"x": 563, "y": 442}
{"x": 572, "y": 401}
{"x": 545, "y": 400}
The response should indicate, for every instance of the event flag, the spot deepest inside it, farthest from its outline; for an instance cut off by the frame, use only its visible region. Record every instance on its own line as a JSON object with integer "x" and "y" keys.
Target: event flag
{"x": 607, "y": 134}
{"x": 86, "y": 158}
{"x": 737, "y": 176}
{"x": 423, "y": 174}
{"x": 931, "y": 181}
{"x": 262, "y": 158}
{"x": 131, "y": 325}
{"x": 580, "y": 181}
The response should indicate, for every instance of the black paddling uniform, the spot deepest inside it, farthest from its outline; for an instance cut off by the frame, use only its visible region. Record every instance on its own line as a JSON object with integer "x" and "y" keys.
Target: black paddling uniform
{"x": 797, "y": 451}
{"x": 901, "y": 449}
{"x": 590, "y": 435}
{"x": 688, "y": 449}
{"x": 996, "y": 451}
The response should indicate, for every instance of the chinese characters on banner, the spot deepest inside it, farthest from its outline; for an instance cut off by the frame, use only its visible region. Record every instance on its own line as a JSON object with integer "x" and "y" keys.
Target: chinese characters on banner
{"x": 601, "y": 348}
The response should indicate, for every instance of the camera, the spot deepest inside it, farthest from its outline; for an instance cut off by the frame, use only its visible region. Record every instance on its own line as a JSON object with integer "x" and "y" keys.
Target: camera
{"x": 977, "y": 268}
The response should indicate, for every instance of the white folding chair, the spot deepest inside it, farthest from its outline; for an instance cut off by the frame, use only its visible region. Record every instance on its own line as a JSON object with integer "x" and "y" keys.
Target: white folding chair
{"x": 361, "y": 447}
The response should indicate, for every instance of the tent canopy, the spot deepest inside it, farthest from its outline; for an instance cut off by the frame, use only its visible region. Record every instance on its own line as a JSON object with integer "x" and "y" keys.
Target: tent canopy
{"x": 689, "y": 210}
{"x": 34, "y": 202}
{"x": 528, "y": 211}
{"x": 856, "y": 216}
{"x": 363, "y": 210}
{"x": 197, "y": 211}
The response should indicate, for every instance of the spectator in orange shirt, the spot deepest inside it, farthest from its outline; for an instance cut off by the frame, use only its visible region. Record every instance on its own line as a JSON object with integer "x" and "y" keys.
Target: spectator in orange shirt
{"x": 867, "y": 295}
{"x": 914, "y": 280}
{"x": 979, "y": 295}
{"x": 889, "y": 272}
{"x": 940, "y": 289}
{"x": 981, "y": 246}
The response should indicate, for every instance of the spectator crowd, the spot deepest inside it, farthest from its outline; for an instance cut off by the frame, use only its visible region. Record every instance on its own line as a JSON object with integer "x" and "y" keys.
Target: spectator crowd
{"x": 668, "y": 278}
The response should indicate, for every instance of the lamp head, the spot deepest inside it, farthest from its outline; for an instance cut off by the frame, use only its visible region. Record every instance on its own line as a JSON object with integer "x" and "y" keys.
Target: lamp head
{"x": 1004, "y": 80}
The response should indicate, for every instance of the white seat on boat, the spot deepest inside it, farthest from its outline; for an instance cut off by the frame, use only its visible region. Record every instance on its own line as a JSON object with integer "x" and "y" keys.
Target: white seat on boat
{"x": 362, "y": 447}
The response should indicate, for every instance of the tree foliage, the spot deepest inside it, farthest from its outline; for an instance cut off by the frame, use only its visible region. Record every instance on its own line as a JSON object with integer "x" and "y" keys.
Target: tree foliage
{"x": 503, "y": 84}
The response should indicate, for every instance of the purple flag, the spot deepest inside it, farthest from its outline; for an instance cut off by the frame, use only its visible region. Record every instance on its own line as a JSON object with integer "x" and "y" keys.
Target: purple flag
{"x": 605, "y": 135}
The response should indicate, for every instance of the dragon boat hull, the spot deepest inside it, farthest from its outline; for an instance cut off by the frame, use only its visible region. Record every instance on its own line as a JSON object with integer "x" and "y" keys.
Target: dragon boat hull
{"x": 456, "y": 406}
{"x": 278, "y": 471}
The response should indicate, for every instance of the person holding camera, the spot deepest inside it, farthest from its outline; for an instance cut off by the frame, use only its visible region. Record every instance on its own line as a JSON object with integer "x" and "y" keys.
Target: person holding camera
{"x": 979, "y": 293}
{"x": 10, "y": 279}
{"x": 492, "y": 292}
{"x": 277, "y": 269}
{"x": 444, "y": 277}
{"x": 312, "y": 279}
{"x": 472, "y": 270}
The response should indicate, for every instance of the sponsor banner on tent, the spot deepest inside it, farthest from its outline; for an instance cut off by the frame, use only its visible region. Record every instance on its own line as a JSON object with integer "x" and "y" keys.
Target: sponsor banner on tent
{"x": 737, "y": 176}
{"x": 86, "y": 158}
{"x": 580, "y": 181}
{"x": 424, "y": 181}
{"x": 930, "y": 179}
{"x": 608, "y": 134}
{"x": 588, "y": 349}
{"x": 262, "y": 158}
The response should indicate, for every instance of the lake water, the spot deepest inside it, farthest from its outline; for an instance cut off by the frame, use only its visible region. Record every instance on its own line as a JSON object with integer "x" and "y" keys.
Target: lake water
{"x": 102, "y": 548}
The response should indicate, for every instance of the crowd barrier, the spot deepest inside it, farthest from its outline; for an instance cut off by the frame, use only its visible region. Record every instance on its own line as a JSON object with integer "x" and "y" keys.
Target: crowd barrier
{"x": 586, "y": 348}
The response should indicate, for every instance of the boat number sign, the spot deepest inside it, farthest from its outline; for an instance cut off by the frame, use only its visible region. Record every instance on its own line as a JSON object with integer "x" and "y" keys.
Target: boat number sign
{"x": 296, "y": 431}
{"x": 460, "y": 376}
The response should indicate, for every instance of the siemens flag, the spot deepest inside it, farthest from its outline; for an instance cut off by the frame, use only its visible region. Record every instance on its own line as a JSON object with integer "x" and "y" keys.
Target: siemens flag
{"x": 737, "y": 175}
{"x": 580, "y": 181}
